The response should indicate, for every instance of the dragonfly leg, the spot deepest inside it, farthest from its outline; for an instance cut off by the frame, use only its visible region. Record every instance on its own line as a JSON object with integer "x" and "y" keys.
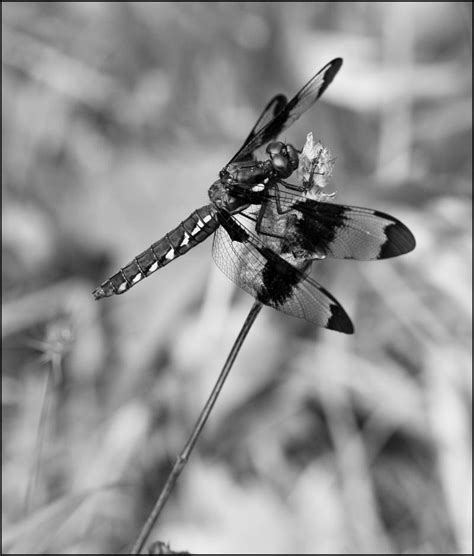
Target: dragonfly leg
{"x": 279, "y": 206}
{"x": 259, "y": 220}
{"x": 293, "y": 187}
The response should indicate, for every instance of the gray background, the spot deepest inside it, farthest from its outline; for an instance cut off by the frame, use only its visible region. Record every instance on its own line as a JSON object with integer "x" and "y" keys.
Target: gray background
{"x": 116, "y": 119}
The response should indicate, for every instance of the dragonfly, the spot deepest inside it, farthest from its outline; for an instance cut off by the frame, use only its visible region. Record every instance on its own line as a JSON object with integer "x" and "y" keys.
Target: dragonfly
{"x": 272, "y": 263}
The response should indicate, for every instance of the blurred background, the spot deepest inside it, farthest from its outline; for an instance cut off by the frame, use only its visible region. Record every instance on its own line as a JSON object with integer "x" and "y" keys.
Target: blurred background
{"x": 116, "y": 119}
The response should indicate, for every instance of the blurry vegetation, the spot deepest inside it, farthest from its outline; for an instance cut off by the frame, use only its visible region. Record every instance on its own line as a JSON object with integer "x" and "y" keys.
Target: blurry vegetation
{"x": 116, "y": 119}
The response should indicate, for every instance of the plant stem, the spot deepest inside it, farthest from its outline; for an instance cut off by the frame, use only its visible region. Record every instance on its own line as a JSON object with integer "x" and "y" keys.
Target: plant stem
{"x": 182, "y": 459}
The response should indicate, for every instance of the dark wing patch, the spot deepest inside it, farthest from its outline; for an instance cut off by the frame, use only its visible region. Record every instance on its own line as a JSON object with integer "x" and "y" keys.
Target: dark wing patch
{"x": 263, "y": 274}
{"x": 275, "y": 106}
{"x": 346, "y": 232}
{"x": 399, "y": 238}
{"x": 338, "y": 231}
{"x": 303, "y": 100}
{"x": 278, "y": 280}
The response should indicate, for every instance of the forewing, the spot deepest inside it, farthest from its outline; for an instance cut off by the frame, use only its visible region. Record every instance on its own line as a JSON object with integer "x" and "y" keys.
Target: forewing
{"x": 339, "y": 231}
{"x": 303, "y": 100}
{"x": 274, "y": 282}
{"x": 275, "y": 106}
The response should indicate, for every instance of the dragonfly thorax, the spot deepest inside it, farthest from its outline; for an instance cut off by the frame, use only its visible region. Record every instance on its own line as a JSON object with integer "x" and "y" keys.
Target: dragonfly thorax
{"x": 224, "y": 197}
{"x": 282, "y": 163}
{"x": 248, "y": 172}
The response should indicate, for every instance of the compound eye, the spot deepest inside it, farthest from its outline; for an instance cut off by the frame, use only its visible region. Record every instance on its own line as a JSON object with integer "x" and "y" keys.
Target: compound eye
{"x": 293, "y": 156}
{"x": 279, "y": 162}
{"x": 274, "y": 148}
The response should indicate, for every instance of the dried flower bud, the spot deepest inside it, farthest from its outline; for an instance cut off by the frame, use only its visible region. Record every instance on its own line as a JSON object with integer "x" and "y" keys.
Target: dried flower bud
{"x": 315, "y": 167}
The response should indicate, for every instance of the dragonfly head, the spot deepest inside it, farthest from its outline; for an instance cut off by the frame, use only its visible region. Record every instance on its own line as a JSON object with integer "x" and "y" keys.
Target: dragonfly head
{"x": 284, "y": 158}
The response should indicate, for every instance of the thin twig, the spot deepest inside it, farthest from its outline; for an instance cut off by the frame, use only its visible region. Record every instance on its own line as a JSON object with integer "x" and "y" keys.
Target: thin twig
{"x": 40, "y": 438}
{"x": 182, "y": 459}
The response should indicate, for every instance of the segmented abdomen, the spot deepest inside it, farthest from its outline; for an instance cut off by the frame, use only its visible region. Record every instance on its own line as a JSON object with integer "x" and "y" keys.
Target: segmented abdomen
{"x": 196, "y": 228}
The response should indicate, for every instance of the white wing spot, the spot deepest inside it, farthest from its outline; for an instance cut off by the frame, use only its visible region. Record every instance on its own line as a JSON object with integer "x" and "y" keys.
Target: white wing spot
{"x": 137, "y": 278}
{"x": 153, "y": 267}
{"x": 170, "y": 254}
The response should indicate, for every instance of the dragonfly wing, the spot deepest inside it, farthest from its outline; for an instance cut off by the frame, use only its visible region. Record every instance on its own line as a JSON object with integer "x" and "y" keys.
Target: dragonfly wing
{"x": 275, "y": 106}
{"x": 301, "y": 102}
{"x": 258, "y": 270}
{"x": 340, "y": 231}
